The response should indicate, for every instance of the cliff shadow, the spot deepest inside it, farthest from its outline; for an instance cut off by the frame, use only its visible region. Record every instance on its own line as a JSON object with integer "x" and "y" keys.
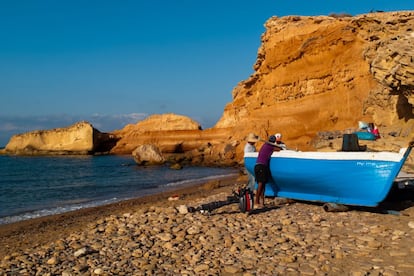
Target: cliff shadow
{"x": 403, "y": 107}
{"x": 103, "y": 142}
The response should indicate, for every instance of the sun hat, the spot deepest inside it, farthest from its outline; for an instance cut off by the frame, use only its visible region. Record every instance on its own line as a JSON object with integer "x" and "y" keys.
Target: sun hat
{"x": 272, "y": 139}
{"x": 278, "y": 136}
{"x": 252, "y": 138}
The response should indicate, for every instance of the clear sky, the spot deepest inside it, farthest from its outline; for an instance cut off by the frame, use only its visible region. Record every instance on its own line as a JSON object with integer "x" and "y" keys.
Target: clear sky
{"x": 116, "y": 62}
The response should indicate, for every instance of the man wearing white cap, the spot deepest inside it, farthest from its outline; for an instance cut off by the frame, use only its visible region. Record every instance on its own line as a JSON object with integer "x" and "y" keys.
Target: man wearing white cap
{"x": 279, "y": 141}
{"x": 250, "y": 147}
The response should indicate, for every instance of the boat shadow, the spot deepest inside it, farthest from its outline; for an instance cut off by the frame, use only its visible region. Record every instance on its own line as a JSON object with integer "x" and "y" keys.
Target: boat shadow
{"x": 397, "y": 200}
{"x": 222, "y": 211}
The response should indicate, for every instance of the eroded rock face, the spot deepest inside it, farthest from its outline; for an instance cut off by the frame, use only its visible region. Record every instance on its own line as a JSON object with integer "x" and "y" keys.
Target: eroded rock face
{"x": 171, "y": 133}
{"x": 180, "y": 139}
{"x": 312, "y": 74}
{"x": 80, "y": 138}
{"x": 163, "y": 122}
{"x": 325, "y": 73}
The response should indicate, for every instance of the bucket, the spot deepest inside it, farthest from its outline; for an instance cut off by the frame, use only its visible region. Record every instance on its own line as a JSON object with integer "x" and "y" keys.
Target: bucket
{"x": 350, "y": 142}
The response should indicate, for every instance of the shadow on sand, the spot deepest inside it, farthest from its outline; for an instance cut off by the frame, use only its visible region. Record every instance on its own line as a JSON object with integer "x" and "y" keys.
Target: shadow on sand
{"x": 400, "y": 198}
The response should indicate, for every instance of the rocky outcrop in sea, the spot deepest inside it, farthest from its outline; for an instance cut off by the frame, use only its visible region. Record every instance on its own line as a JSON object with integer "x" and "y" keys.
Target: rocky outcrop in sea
{"x": 80, "y": 138}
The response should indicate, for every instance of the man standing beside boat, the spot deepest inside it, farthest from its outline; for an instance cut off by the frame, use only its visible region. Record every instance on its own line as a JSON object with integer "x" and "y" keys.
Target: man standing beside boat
{"x": 261, "y": 169}
{"x": 250, "y": 147}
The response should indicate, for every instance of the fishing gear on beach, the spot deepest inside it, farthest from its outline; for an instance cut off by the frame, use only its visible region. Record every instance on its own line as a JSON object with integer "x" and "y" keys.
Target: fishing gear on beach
{"x": 243, "y": 197}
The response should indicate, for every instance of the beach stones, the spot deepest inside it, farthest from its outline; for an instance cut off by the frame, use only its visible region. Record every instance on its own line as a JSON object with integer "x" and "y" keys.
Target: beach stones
{"x": 182, "y": 209}
{"x": 297, "y": 239}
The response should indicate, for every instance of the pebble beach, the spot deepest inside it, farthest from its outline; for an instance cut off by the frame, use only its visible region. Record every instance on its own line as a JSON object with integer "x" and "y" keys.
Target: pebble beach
{"x": 156, "y": 235}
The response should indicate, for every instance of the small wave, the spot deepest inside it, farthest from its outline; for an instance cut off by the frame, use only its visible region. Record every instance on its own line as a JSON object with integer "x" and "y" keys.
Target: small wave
{"x": 76, "y": 205}
{"x": 55, "y": 211}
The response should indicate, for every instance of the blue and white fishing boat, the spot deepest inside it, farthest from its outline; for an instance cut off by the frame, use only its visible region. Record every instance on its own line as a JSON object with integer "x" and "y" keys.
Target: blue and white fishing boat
{"x": 346, "y": 178}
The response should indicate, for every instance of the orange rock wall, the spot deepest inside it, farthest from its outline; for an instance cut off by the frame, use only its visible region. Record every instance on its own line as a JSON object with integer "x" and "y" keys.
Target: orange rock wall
{"x": 316, "y": 74}
{"x": 312, "y": 74}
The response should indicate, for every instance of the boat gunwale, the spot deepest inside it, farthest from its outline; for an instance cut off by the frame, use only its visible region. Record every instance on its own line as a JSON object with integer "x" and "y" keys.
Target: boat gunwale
{"x": 338, "y": 155}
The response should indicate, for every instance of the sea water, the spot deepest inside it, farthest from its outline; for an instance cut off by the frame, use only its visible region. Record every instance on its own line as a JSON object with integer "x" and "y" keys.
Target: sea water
{"x": 32, "y": 187}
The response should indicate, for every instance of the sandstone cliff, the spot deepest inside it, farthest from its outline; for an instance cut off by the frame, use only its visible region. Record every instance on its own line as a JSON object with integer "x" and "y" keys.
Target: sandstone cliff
{"x": 180, "y": 139}
{"x": 313, "y": 74}
{"x": 167, "y": 131}
{"x": 80, "y": 138}
{"x": 327, "y": 73}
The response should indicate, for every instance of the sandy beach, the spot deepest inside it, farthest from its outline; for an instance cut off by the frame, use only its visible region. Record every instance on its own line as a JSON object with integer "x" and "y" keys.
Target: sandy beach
{"x": 156, "y": 236}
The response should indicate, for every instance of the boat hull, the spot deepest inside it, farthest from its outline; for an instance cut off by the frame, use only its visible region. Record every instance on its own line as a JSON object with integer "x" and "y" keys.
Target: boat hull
{"x": 350, "y": 178}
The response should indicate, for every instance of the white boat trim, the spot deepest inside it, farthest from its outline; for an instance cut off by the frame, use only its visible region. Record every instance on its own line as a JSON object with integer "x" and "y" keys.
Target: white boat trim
{"x": 338, "y": 155}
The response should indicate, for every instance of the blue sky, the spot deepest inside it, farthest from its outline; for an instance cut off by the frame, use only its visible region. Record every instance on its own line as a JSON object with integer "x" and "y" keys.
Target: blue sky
{"x": 116, "y": 62}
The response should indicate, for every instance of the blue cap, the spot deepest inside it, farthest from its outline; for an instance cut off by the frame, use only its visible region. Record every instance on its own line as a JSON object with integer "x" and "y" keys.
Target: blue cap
{"x": 272, "y": 139}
